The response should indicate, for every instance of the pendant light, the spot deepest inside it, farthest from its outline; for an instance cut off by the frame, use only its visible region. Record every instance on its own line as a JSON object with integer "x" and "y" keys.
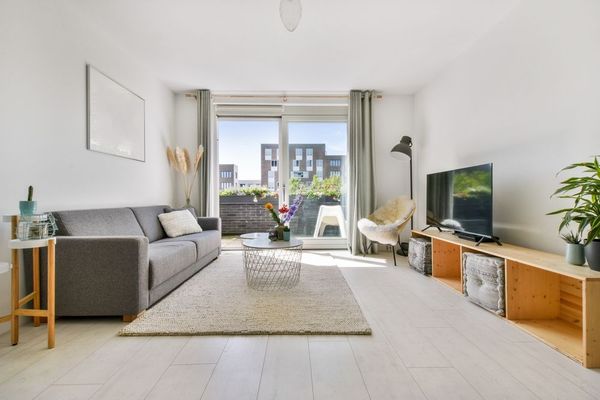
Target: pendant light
{"x": 290, "y": 12}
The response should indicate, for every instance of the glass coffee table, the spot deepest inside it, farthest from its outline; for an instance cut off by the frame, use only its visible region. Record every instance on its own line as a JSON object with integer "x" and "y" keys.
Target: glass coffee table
{"x": 271, "y": 265}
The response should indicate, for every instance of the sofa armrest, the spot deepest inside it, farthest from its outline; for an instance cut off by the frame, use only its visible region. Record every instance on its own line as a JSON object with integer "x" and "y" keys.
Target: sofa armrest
{"x": 105, "y": 275}
{"x": 210, "y": 223}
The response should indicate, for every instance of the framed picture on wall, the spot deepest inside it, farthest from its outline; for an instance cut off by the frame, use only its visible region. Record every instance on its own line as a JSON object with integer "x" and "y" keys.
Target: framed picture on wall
{"x": 115, "y": 117}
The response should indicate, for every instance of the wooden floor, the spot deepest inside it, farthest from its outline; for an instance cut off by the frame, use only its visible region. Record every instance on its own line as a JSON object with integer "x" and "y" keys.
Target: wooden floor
{"x": 428, "y": 343}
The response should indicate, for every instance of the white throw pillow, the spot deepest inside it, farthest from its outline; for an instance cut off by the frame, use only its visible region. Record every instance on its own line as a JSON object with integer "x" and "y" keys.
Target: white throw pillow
{"x": 178, "y": 223}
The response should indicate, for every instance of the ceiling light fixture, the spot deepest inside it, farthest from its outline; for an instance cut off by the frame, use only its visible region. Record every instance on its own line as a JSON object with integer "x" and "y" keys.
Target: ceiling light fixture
{"x": 290, "y": 12}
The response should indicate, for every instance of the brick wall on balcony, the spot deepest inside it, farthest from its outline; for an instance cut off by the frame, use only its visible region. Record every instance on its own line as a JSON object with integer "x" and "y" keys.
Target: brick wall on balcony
{"x": 240, "y": 214}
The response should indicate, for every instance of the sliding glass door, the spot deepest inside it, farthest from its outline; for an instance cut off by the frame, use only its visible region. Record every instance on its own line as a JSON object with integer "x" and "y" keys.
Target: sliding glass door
{"x": 317, "y": 172}
{"x": 254, "y": 170}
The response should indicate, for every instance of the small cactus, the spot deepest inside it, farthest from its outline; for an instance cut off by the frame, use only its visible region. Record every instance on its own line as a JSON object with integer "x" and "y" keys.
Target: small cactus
{"x": 30, "y": 193}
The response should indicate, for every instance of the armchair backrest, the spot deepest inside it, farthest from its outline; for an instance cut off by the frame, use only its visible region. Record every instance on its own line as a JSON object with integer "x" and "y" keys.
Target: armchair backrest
{"x": 398, "y": 210}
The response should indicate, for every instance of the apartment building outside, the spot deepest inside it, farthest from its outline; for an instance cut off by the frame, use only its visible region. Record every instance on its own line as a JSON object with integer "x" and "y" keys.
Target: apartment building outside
{"x": 306, "y": 161}
{"x": 228, "y": 176}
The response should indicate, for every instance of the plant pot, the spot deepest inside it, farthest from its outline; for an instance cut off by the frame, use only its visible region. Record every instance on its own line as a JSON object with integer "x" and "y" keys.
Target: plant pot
{"x": 27, "y": 207}
{"x": 574, "y": 254}
{"x": 592, "y": 254}
{"x": 286, "y": 236}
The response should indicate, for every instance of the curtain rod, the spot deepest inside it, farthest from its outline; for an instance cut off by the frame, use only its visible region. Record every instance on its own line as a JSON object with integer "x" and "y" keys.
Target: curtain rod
{"x": 265, "y": 96}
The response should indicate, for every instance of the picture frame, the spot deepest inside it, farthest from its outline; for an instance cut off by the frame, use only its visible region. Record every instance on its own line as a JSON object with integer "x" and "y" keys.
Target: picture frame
{"x": 116, "y": 117}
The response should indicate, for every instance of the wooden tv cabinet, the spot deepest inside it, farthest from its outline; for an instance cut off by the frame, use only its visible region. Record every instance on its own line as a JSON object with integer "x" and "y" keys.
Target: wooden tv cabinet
{"x": 550, "y": 299}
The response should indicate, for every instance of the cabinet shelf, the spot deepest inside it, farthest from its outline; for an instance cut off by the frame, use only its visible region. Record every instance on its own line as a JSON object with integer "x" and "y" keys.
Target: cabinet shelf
{"x": 553, "y": 301}
{"x": 561, "y": 335}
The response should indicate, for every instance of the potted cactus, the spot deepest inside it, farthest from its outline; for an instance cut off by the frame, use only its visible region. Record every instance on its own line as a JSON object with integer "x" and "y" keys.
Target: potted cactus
{"x": 29, "y": 206}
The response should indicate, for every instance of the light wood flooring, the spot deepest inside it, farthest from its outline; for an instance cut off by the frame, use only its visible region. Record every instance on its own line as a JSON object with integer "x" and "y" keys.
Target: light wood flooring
{"x": 428, "y": 343}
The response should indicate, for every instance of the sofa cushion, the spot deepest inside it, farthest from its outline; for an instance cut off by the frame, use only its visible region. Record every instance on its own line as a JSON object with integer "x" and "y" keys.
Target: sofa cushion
{"x": 179, "y": 223}
{"x": 169, "y": 258}
{"x": 205, "y": 241}
{"x": 98, "y": 222}
{"x": 148, "y": 220}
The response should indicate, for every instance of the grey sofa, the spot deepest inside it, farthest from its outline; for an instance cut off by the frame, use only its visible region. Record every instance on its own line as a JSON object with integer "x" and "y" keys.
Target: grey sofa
{"x": 119, "y": 261}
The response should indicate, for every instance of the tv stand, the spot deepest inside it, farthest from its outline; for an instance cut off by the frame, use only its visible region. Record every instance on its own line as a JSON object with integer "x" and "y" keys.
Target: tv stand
{"x": 478, "y": 238}
{"x": 431, "y": 226}
{"x": 545, "y": 296}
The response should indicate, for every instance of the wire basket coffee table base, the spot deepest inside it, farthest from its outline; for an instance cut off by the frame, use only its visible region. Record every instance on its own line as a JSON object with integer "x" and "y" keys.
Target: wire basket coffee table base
{"x": 272, "y": 266}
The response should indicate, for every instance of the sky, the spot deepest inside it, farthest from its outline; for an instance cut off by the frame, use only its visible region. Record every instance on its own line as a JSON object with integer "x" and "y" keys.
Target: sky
{"x": 240, "y": 140}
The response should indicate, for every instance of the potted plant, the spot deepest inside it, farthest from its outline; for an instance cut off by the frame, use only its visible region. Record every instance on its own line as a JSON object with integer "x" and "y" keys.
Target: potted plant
{"x": 585, "y": 192}
{"x": 574, "y": 252}
{"x": 29, "y": 206}
{"x": 283, "y": 219}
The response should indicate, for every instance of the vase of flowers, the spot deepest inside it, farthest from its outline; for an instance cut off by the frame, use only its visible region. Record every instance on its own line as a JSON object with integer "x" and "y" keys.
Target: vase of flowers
{"x": 282, "y": 217}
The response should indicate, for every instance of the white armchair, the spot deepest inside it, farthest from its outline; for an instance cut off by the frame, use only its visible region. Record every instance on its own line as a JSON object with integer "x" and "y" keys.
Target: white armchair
{"x": 386, "y": 223}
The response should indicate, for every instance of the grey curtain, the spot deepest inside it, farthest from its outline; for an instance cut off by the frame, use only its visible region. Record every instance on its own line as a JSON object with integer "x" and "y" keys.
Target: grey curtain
{"x": 204, "y": 139}
{"x": 362, "y": 191}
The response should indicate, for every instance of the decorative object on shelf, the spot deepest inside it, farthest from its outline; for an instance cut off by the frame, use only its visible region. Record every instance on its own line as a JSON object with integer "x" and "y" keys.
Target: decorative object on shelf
{"x": 180, "y": 161}
{"x": 36, "y": 227}
{"x": 29, "y": 206}
{"x": 483, "y": 278}
{"x": 401, "y": 151}
{"x": 419, "y": 255}
{"x": 585, "y": 212}
{"x": 290, "y": 12}
{"x": 574, "y": 252}
{"x": 115, "y": 118}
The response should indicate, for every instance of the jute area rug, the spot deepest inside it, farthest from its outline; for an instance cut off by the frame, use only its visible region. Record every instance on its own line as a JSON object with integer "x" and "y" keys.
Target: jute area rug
{"x": 217, "y": 301}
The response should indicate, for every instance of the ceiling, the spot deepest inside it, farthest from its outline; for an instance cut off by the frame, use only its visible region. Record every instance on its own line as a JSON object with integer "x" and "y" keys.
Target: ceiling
{"x": 395, "y": 46}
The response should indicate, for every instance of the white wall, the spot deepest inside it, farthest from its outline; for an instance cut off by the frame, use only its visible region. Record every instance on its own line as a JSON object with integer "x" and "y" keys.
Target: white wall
{"x": 392, "y": 119}
{"x": 525, "y": 97}
{"x": 43, "y": 52}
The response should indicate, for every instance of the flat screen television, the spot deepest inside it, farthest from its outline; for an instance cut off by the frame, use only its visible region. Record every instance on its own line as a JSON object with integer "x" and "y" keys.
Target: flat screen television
{"x": 461, "y": 200}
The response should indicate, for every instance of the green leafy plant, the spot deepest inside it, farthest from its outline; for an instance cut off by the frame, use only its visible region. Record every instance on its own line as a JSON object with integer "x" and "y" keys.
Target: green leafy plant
{"x": 585, "y": 192}
{"x": 30, "y": 193}
{"x": 257, "y": 191}
{"x": 571, "y": 237}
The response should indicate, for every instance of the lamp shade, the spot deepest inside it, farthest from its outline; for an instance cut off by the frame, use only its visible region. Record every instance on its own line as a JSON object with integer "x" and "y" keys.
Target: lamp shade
{"x": 404, "y": 148}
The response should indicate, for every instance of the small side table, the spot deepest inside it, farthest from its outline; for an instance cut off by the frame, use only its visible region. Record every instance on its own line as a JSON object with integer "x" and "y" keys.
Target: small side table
{"x": 17, "y": 302}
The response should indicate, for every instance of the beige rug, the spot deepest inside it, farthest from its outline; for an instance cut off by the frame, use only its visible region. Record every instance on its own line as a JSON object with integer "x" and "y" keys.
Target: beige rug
{"x": 217, "y": 301}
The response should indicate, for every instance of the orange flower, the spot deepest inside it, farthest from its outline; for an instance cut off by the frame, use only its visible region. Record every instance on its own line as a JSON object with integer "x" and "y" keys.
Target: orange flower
{"x": 269, "y": 206}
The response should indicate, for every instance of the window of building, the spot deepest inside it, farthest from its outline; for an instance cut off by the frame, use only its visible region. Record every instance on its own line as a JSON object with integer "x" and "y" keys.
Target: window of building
{"x": 268, "y": 153}
{"x": 299, "y": 153}
{"x": 335, "y": 163}
{"x": 335, "y": 173}
{"x": 296, "y": 165}
{"x": 319, "y": 165}
{"x": 309, "y": 153}
{"x": 309, "y": 164}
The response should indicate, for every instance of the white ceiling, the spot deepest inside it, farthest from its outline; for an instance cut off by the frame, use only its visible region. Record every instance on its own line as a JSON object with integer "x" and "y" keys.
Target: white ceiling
{"x": 395, "y": 46}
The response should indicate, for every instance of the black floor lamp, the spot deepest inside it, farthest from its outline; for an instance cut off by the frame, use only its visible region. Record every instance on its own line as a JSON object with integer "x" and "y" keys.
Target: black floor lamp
{"x": 401, "y": 151}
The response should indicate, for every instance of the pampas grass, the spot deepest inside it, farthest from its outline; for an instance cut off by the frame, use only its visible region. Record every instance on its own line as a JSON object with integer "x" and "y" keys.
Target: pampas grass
{"x": 181, "y": 162}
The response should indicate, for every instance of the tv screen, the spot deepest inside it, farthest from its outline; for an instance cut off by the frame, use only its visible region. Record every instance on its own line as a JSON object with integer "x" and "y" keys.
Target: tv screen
{"x": 461, "y": 200}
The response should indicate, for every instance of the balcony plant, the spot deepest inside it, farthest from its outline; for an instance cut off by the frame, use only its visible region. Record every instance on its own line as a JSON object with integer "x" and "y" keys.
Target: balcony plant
{"x": 180, "y": 161}
{"x": 584, "y": 191}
